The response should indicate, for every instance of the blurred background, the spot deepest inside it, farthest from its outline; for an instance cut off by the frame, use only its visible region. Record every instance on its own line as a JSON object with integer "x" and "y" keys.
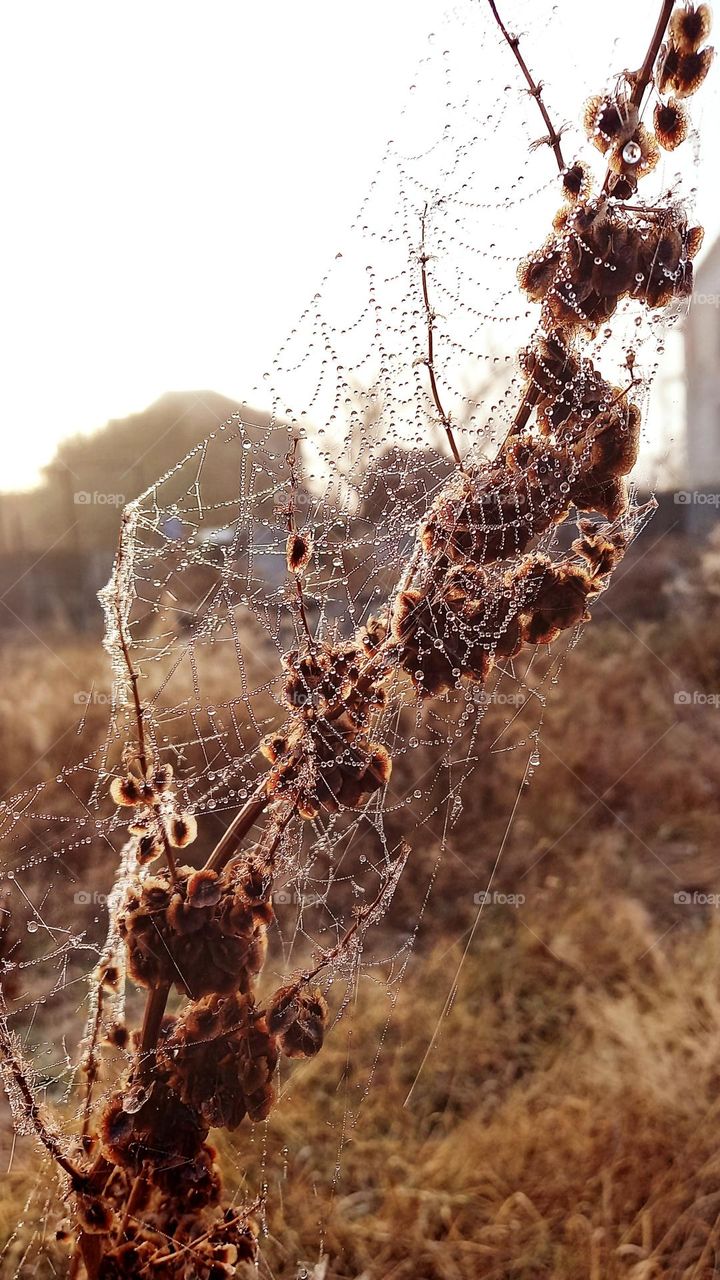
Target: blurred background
{"x": 173, "y": 201}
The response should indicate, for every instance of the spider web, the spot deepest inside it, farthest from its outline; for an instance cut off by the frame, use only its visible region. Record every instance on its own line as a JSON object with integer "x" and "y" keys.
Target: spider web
{"x": 353, "y": 452}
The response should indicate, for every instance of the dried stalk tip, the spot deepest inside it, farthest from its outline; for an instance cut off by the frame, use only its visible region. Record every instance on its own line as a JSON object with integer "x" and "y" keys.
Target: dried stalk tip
{"x": 298, "y": 550}
{"x": 671, "y": 123}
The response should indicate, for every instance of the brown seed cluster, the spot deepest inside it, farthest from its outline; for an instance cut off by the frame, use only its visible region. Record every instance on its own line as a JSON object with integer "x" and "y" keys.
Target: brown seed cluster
{"x": 158, "y": 821}
{"x": 298, "y": 1018}
{"x": 326, "y": 759}
{"x": 453, "y": 632}
{"x": 683, "y": 64}
{"x": 205, "y": 932}
{"x": 493, "y": 513}
{"x": 601, "y": 253}
{"x": 220, "y": 1058}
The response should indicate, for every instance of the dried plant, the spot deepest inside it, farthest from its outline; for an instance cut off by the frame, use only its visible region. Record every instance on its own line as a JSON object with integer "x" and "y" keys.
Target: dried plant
{"x": 479, "y": 587}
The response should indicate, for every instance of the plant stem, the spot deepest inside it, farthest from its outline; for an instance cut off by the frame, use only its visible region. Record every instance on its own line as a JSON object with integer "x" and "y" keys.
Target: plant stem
{"x": 644, "y": 75}
{"x": 430, "y": 318}
{"x": 238, "y": 828}
{"x": 534, "y": 87}
{"x": 152, "y": 1021}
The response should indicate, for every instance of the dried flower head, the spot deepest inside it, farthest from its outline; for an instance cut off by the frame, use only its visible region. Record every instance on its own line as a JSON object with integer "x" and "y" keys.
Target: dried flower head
{"x": 298, "y": 551}
{"x": 689, "y": 26}
{"x": 671, "y": 124}
{"x": 610, "y": 121}
{"x": 683, "y": 73}
{"x": 182, "y": 830}
{"x": 576, "y": 182}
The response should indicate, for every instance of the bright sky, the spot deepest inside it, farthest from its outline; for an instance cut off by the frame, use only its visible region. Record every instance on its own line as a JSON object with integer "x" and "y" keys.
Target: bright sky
{"x": 177, "y": 178}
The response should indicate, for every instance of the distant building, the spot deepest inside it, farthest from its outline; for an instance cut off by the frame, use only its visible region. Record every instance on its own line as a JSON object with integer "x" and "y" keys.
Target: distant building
{"x": 702, "y": 370}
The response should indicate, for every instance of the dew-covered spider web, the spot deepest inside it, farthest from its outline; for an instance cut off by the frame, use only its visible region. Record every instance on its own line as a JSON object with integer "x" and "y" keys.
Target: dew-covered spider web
{"x": 352, "y": 455}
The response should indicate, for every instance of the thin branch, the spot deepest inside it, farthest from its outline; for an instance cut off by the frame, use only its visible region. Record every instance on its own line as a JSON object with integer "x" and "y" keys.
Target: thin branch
{"x": 152, "y": 1021}
{"x": 31, "y": 1111}
{"x": 430, "y": 362}
{"x": 238, "y": 828}
{"x": 643, "y": 77}
{"x": 292, "y": 528}
{"x": 92, "y": 1063}
{"x": 534, "y": 88}
{"x": 134, "y": 677}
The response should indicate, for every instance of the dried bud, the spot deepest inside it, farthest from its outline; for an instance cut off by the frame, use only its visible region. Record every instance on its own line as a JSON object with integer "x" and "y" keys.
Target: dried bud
{"x": 298, "y": 551}
{"x": 128, "y": 791}
{"x": 204, "y": 889}
{"x": 94, "y": 1216}
{"x": 576, "y": 182}
{"x": 671, "y": 124}
{"x": 689, "y": 26}
{"x": 182, "y": 830}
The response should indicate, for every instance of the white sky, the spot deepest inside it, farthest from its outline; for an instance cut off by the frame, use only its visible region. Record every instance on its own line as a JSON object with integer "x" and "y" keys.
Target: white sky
{"x": 177, "y": 178}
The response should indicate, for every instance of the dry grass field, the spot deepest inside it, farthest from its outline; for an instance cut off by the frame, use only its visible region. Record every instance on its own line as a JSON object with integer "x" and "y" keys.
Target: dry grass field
{"x": 565, "y": 1121}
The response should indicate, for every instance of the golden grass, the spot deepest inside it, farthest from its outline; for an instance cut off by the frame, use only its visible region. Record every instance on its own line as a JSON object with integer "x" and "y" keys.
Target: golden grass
{"x": 565, "y": 1123}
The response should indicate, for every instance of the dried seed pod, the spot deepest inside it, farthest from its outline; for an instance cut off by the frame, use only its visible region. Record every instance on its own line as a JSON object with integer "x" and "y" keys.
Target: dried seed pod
{"x": 181, "y": 829}
{"x": 298, "y": 551}
{"x": 609, "y": 498}
{"x": 636, "y": 156}
{"x": 694, "y": 239}
{"x": 616, "y": 444}
{"x": 128, "y": 791}
{"x": 536, "y": 273}
{"x": 610, "y": 121}
{"x": 153, "y": 1126}
{"x": 601, "y": 551}
{"x": 300, "y": 1018}
{"x": 689, "y": 26}
{"x": 671, "y": 123}
{"x": 576, "y": 182}
{"x": 204, "y": 889}
{"x": 220, "y": 1059}
{"x": 692, "y": 70}
{"x": 558, "y": 601}
{"x": 682, "y": 73}
{"x": 149, "y": 847}
{"x": 94, "y": 1216}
